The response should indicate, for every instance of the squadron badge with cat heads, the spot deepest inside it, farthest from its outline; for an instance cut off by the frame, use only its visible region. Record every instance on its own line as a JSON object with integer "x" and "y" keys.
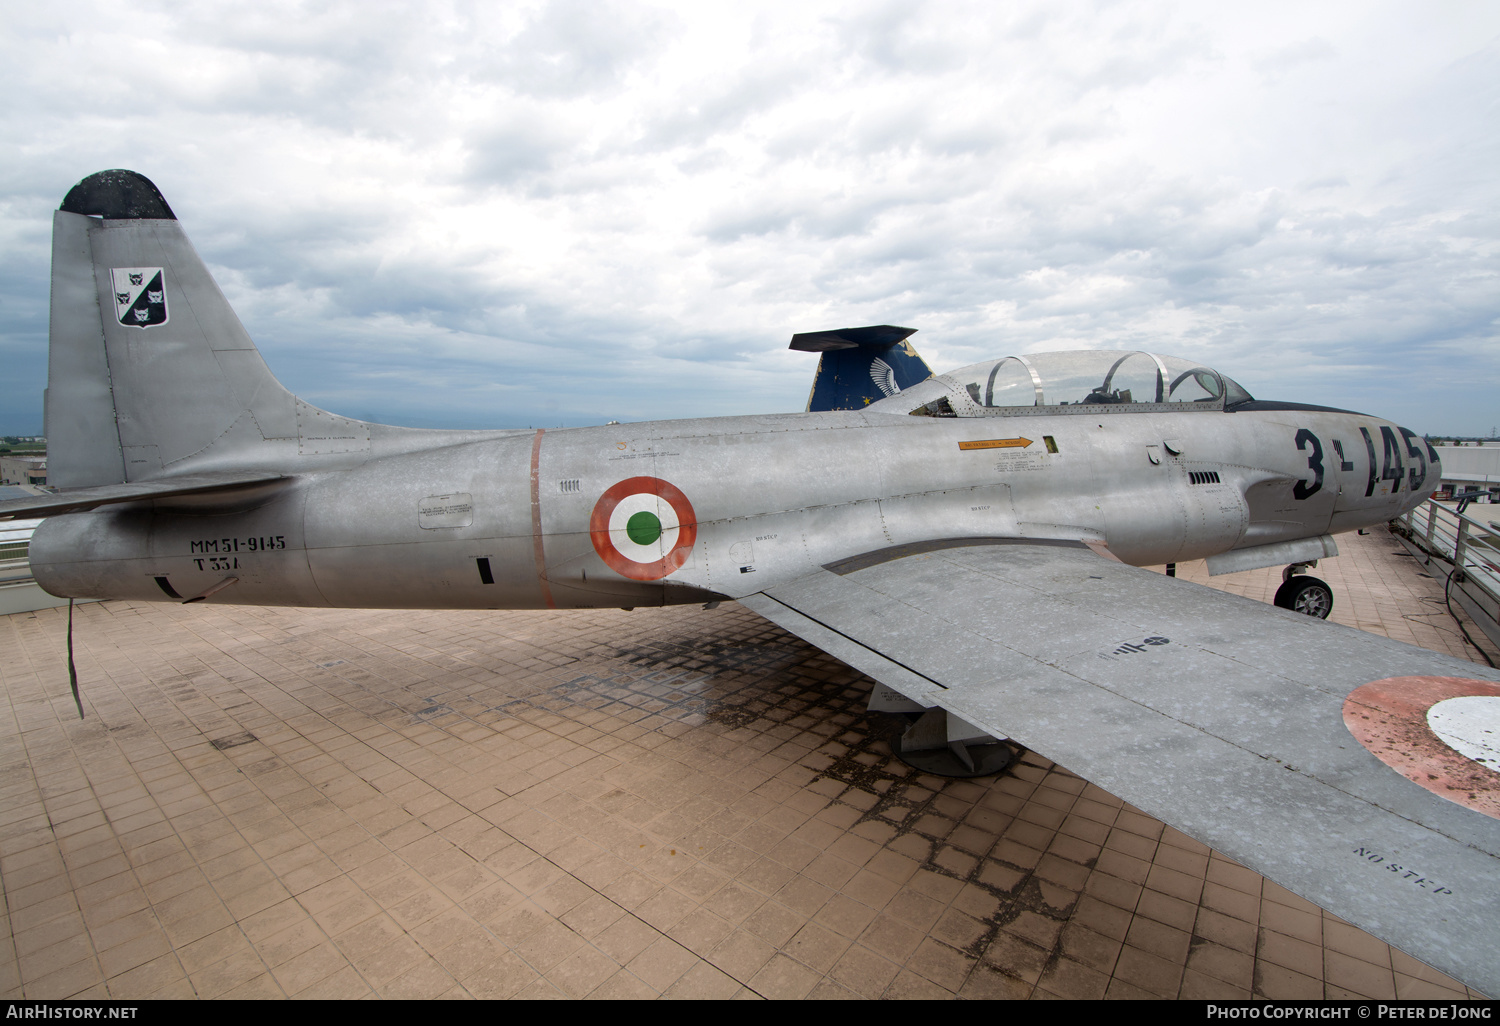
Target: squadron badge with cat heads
{"x": 140, "y": 296}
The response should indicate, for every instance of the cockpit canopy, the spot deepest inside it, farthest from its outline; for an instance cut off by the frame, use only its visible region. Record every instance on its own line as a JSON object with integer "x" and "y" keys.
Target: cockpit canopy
{"x": 1092, "y": 380}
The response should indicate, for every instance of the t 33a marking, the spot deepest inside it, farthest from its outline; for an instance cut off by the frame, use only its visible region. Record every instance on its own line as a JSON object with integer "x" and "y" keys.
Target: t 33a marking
{"x": 972, "y": 540}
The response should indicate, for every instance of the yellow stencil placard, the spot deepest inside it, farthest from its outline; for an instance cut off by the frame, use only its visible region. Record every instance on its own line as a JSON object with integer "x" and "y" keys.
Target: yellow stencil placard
{"x": 996, "y": 443}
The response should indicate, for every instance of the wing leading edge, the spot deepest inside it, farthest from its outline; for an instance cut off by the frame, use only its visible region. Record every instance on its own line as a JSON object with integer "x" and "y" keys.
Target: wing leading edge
{"x": 1220, "y": 715}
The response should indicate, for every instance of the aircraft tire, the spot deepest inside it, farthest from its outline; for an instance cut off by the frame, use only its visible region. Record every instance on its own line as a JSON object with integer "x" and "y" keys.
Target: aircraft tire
{"x": 1303, "y": 594}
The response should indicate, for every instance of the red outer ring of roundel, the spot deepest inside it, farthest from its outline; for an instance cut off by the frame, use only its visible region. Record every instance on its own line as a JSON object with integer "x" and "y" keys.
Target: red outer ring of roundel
{"x": 1389, "y": 717}
{"x": 687, "y": 528}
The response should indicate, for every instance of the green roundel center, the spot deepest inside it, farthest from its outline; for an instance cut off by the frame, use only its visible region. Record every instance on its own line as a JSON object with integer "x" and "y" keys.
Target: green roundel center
{"x": 643, "y": 528}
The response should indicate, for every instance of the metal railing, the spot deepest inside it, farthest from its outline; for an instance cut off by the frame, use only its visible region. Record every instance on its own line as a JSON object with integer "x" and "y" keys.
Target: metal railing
{"x": 15, "y": 543}
{"x": 1470, "y": 546}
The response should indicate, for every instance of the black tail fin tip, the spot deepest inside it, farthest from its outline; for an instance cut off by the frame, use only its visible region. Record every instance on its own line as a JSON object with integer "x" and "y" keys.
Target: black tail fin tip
{"x": 118, "y": 195}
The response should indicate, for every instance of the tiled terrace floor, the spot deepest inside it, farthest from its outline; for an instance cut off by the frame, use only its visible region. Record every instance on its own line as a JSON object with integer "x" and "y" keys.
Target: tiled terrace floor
{"x": 316, "y": 803}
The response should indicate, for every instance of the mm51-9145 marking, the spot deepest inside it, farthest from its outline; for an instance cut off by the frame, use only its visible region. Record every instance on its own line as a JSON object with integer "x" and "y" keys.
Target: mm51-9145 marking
{"x": 254, "y": 543}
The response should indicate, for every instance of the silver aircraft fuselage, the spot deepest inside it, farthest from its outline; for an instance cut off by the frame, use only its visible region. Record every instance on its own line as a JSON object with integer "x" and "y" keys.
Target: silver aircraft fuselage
{"x": 523, "y": 520}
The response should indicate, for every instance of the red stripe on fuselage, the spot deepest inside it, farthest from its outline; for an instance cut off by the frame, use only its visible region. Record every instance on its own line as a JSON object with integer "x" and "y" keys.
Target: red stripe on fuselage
{"x": 536, "y": 520}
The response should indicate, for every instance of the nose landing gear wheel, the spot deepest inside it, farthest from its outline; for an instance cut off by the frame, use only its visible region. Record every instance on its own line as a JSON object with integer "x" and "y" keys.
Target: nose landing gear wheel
{"x": 1303, "y": 594}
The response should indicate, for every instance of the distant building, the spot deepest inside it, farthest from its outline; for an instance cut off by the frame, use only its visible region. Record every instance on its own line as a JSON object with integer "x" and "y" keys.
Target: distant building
{"x": 23, "y": 470}
{"x": 1469, "y": 466}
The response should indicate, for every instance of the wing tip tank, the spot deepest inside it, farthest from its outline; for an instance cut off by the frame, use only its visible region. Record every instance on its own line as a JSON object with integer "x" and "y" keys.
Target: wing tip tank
{"x": 118, "y": 195}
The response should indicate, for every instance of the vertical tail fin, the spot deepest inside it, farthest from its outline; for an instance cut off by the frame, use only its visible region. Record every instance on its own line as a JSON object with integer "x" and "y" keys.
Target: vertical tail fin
{"x": 149, "y": 370}
{"x": 860, "y": 365}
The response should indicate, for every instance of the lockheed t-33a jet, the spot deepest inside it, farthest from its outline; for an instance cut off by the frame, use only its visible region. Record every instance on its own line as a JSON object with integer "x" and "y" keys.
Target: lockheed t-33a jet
{"x": 973, "y": 541}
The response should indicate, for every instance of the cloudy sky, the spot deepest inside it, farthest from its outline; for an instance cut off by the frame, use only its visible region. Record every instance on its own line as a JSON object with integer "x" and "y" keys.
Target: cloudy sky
{"x": 489, "y": 214}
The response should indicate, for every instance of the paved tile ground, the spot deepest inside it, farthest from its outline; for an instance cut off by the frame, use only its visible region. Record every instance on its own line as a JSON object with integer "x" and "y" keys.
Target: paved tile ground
{"x": 682, "y": 802}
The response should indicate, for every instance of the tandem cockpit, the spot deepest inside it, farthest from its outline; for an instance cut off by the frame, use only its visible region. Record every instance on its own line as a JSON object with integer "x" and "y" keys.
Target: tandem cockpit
{"x": 1092, "y": 381}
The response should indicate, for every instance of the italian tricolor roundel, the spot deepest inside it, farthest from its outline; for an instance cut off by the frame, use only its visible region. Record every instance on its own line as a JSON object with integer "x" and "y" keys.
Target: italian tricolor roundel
{"x": 643, "y": 528}
{"x": 1441, "y": 733}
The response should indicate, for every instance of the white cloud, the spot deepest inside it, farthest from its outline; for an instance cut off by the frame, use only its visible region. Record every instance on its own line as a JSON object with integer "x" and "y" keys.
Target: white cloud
{"x": 486, "y": 214}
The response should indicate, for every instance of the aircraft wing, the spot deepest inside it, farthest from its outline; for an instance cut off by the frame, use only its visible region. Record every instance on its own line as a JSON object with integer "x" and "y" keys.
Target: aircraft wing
{"x": 1220, "y": 715}
{"x": 76, "y": 499}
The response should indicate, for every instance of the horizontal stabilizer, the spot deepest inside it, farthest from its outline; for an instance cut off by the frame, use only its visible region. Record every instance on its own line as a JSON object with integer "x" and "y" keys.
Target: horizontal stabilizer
{"x": 78, "y": 499}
